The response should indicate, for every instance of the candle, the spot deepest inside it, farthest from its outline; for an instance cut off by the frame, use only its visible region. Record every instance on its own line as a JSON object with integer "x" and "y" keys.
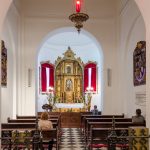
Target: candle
{"x": 78, "y": 6}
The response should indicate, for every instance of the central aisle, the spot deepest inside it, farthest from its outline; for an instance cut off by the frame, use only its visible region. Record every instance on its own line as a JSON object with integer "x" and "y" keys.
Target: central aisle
{"x": 71, "y": 139}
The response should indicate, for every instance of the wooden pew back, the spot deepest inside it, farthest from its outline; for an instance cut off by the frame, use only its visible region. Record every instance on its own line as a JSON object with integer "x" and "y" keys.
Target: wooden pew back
{"x": 22, "y": 125}
{"x": 86, "y": 119}
{"x": 98, "y": 116}
{"x": 18, "y": 138}
{"x": 108, "y": 125}
{"x": 100, "y": 135}
{"x": 28, "y": 120}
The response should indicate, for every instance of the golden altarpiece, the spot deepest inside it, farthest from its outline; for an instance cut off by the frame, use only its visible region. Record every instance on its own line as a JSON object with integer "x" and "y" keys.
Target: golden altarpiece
{"x": 69, "y": 78}
{"x": 68, "y": 96}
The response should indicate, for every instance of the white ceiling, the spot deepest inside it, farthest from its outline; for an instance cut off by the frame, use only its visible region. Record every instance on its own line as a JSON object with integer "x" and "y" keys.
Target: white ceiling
{"x": 63, "y": 8}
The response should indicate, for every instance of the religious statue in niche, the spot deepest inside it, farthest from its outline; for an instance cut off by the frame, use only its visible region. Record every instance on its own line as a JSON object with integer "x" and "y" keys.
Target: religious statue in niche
{"x": 68, "y": 85}
{"x": 139, "y": 63}
{"x": 68, "y": 70}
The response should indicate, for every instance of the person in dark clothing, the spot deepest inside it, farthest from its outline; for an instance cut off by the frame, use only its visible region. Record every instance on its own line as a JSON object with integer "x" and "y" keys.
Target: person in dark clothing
{"x": 95, "y": 110}
{"x": 138, "y": 118}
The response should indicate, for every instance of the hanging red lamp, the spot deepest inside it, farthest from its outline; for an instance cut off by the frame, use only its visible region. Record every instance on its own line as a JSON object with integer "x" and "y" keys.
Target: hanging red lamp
{"x": 78, "y": 6}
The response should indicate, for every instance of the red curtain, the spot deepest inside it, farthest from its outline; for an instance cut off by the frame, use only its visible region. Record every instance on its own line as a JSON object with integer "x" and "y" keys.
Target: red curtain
{"x": 93, "y": 67}
{"x": 44, "y": 77}
{"x": 85, "y": 78}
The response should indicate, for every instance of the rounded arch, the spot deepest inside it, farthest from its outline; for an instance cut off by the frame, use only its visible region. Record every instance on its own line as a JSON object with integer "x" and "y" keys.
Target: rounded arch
{"x": 130, "y": 33}
{"x": 98, "y": 53}
{"x": 70, "y": 29}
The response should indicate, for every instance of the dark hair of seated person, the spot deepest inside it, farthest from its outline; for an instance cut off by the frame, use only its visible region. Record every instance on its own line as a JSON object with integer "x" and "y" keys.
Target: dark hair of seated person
{"x": 138, "y": 118}
{"x": 95, "y": 110}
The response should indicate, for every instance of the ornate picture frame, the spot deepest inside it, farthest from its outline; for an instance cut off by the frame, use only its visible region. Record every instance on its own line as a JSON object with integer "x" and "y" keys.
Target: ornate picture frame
{"x": 139, "y": 64}
{"x": 3, "y": 65}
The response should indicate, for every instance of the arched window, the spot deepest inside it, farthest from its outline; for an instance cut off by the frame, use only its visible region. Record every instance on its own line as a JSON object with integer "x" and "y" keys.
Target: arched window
{"x": 90, "y": 76}
{"x": 47, "y": 76}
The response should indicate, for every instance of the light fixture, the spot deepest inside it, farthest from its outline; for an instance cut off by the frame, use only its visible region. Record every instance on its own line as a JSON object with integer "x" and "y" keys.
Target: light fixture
{"x": 78, "y": 18}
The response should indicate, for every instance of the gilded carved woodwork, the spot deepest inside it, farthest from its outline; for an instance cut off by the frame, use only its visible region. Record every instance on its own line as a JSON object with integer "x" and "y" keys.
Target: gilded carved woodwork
{"x": 69, "y": 78}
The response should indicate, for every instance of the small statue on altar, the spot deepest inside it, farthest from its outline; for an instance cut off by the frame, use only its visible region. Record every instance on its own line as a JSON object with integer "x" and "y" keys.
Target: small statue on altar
{"x": 68, "y": 85}
{"x": 50, "y": 98}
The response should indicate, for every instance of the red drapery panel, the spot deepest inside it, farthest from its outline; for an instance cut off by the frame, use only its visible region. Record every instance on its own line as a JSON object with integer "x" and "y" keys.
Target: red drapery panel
{"x": 93, "y": 67}
{"x": 85, "y": 78}
{"x": 44, "y": 77}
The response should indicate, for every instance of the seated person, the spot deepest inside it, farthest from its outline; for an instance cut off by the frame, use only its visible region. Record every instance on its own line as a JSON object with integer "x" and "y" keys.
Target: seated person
{"x": 138, "y": 118}
{"x": 45, "y": 124}
{"x": 95, "y": 110}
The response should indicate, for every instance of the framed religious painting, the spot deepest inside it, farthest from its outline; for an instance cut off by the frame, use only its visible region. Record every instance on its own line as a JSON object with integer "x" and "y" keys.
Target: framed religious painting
{"x": 3, "y": 65}
{"x": 139, "y": 64}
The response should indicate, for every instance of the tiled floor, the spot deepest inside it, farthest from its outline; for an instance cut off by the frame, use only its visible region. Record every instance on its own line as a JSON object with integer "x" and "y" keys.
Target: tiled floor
{"x": 71, "y": 139}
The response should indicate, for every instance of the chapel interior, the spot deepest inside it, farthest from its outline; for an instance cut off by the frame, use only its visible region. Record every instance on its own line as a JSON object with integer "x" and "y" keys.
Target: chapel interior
{"x": 51, "y": 66}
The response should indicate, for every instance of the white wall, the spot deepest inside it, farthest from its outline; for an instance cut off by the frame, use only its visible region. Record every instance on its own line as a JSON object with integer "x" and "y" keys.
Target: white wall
{"x": 10, "y": 35}
{"x": 132, "y": 30}
{"x": 35, "y": 28}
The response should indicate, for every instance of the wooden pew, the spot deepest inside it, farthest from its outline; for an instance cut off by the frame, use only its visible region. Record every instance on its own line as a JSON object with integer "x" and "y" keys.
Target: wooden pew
{"x": 99, "y": 136}
{"x": 108, "y": 119}
{"x": 98, "y": 116}
{"x": 103, "y": 120}
{"x": 53, "y": 120}
{"x": 34, "y": 117}
{"x": 18, "y": 125}
{"x": 101, "y": 116}
{"x": 28, "y": 120}
{"x": 107, "y": 125}
{"x": 22, "y": 125}
{"x": 48, "y": 135}
{"x": 18, "y": 138}
{"x": 52, "y": 117}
